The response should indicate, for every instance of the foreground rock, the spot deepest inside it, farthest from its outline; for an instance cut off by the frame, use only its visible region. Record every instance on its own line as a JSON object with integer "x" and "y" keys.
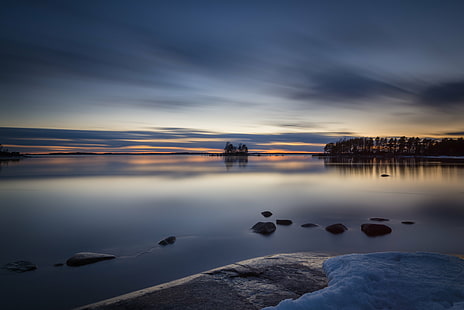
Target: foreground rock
{"x": 284, "y": 222}
{"x": 309, "y": 225}
{"x": 20, "y": 266}
{"x": 85, "y": 258}
{"x": 168, "y": 240}
{"x": 379, "y": 219}
{"x": 336, "y": 228}
{"x": 374, "y": 230}
{"x": 247, "y": 285}
{"x": 264, "y": 228}
{"x": 266, "y": 213}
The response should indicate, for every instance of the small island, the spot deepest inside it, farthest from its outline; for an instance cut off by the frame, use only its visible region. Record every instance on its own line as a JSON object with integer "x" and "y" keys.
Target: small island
{"x": 232, "y": 150}
{"x": 5, "y": 154}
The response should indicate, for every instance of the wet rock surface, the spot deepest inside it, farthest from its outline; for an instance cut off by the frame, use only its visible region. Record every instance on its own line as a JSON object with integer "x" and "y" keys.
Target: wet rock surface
{"x": 247, "y": 285}
{"x": 266, "y": 213}
{"x": 374, "y": 230}
{"x": 85, "y": 258}
{"x": 264, "y": 228}
{"x": 336, "y": 228}
{"x": 20, "y": 266}
{"x": 284, "y": 222}
{"x": 168, "y": 240}
{"x": 379, "y": 219}
{"x": 309, "y": 225}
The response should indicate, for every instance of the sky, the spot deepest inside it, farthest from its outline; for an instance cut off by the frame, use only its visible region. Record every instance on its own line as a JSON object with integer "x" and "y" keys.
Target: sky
{"x": 174, "y": 76}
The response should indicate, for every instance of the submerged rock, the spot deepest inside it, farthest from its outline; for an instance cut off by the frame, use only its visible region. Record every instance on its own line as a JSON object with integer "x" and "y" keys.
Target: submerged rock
{"x": 85, "y": 258}
{"x": 168, "y": 240}
{"x": 408, "y": 222}
{"x": 336, "y": 228}
{"x": 309, "y": 225}
{"x": 284, "y": 222}
{"x": 373, "y": 230}
{"x": 264, "y": 228}
{"x": 378, "y": 219}
{"x": 266, "y": 213}
{"x": 20, "y": 266}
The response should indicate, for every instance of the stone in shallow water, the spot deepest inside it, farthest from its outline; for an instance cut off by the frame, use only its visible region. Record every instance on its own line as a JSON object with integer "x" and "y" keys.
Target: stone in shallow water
{"x": 284, "y": 222}
{"x": 408, "y": 222}
{"x": 378, "y": 219}
{"x": 373, "y": 230}
{"x": 309, "y": 225}
{"x": 264, "y": 228}
{"x": 336, "y": 228}
{"x": 266, "y": 213}
{"x": 20, "y": 266}
{"x": 168, "y": 240}
{"x": 85, "y": 258}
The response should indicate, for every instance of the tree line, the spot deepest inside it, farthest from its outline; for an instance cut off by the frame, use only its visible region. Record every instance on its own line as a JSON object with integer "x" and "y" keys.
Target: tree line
{"x": 396, "y": 146}
{"x": 5, "y": 153}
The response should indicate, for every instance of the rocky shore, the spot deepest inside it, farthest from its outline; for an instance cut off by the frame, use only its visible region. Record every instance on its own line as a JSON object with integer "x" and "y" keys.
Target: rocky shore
{"x": 247, "y": 285}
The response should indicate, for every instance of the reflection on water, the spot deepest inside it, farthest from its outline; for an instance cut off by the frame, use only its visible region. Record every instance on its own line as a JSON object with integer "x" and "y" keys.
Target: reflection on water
{"x": 404, "y": 168}
{"x": 230, "y": 161}
{"x": 54, "y": 206}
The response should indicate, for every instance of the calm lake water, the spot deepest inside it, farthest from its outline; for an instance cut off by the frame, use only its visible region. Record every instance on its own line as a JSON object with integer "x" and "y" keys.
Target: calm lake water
{"x": 52, "y": 207}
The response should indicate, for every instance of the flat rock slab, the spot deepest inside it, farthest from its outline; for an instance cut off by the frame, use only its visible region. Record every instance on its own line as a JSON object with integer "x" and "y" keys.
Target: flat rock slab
{"x": 85, "y": 258}
{"x": 247, "y": 285}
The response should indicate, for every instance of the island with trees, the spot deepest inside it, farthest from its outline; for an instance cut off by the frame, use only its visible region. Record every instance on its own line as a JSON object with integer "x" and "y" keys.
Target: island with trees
{"x": 5, "y": 154}
{"x": 232, "y": 150}
{"x": 395, "y": 146}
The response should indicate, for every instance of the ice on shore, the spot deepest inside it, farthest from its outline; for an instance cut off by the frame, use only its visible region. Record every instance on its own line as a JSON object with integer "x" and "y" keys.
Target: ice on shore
{"x": 388, "y": 280}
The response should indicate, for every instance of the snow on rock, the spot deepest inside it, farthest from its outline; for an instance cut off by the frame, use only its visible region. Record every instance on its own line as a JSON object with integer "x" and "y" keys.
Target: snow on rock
{"x": 388, "y": 280}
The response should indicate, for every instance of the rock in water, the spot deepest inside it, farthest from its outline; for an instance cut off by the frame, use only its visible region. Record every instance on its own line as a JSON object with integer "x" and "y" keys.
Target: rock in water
{"x": 373, "y": 230}
{"x": 20, "y": 266}
{"x": 336, "y": 228}
{"x": 84, "y": 258}
{"x": 378, "y": 219}
{"x": 384, "y": 175}
{"x": 266, "y": 213}
{"x": 309, "y": 225}
{"x": 264, "y": 228}
{"x": 407, "y": 222}
{"x": 168, "y": 240}
{"x": 284, "y": 222}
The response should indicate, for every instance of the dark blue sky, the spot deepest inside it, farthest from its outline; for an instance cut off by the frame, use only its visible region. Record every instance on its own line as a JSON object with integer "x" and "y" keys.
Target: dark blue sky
{"x": 287, "y": 75}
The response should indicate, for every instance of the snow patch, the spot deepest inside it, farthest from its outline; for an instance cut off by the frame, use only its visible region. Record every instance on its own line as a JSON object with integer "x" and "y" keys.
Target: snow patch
{"x": 390, "y": 280}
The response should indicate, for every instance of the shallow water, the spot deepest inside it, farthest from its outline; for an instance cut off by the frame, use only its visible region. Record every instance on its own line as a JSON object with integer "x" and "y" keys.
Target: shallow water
{"x": 55, "y": 206}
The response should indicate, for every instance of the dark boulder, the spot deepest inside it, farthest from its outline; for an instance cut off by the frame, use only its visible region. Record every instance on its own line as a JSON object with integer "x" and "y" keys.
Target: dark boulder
{"x": 309, "y": 225}
{"x": 384, "y": 175}
{"x": 378, "y": 219}
{"x": 20, "y": 266}
{"x": 168, "y": 240}
{"x": 264, "y": 228}
{"x": 408, "y": 222}
{"x": 85, "y": 258}
{"x": 336, "y": 228}
{"x": 284, "y": 222}
{"x": 374, "y": 230}
{"x": 266, "y": 213}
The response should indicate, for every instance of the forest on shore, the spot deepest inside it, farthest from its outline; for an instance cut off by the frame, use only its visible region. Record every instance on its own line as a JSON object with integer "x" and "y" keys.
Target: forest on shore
{"x": 396, "y": 146}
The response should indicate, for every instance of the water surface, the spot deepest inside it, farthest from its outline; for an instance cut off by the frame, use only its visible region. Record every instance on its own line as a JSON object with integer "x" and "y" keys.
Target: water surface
{"x": 53, "y": 207}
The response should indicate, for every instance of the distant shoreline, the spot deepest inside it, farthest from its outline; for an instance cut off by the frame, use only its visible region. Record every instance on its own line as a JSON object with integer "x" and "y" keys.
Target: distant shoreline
{"x": 174, "y": 153}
